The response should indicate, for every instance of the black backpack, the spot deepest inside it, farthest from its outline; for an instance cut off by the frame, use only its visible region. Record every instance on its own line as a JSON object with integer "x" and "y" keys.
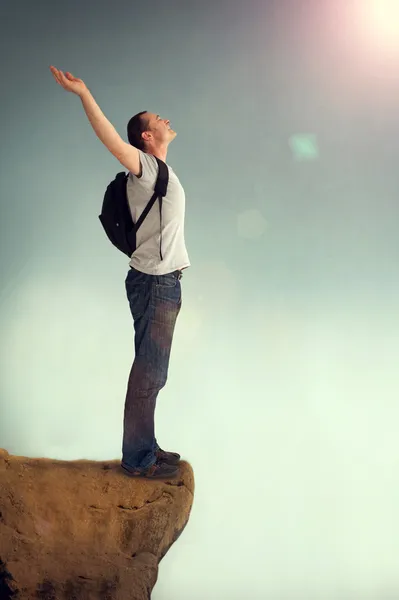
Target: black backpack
{"x": 116, "y": 217}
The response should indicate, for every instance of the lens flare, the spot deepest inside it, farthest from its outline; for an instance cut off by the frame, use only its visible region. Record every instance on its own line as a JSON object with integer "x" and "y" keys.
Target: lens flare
{"x": 381, "y": 21}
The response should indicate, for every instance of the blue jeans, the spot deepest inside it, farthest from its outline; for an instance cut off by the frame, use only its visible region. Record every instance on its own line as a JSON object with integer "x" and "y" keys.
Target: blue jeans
{"x": 155, "y": 302}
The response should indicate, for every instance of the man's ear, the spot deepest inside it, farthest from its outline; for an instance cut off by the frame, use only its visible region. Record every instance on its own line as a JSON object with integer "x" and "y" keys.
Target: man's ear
{"x": 147, "y": 136}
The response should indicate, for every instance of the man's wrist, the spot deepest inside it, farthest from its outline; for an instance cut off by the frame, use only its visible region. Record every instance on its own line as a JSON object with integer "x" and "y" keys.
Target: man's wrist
{"x": 83, "y": 93}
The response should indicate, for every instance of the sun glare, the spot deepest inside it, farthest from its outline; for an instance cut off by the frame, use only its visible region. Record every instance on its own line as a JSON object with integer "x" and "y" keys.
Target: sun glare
{"x": 381, "y": 18}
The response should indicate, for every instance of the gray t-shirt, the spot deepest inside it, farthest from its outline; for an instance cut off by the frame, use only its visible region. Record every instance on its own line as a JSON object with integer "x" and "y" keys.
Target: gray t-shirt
{"x": 147, "y": 257}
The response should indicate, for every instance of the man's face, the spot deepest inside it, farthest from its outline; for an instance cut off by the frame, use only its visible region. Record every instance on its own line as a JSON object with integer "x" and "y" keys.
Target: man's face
{"x": 158, "y": 130}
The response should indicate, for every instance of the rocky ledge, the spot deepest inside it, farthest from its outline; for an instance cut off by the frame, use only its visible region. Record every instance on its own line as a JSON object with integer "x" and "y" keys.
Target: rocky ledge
{"x": 84, "y": 530}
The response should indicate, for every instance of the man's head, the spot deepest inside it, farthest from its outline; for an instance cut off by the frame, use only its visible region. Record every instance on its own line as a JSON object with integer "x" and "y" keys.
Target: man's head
{"x": 147, "y": 131}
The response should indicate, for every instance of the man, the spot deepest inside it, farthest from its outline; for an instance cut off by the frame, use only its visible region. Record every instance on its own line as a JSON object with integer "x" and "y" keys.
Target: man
{"x": 153, "y": 283}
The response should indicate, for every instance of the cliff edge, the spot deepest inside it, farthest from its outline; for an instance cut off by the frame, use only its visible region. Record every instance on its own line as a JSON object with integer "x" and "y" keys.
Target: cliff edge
{"x": 84, "y": 530}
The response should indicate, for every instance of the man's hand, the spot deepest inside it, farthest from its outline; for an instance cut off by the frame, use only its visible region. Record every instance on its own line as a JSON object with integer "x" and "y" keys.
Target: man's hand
{"x": 69, "y": 82}
{"x": 127, "y": 155}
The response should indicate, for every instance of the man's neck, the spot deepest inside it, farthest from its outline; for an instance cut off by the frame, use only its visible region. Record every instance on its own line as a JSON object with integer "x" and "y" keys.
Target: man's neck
{"x": 159, "y": 151}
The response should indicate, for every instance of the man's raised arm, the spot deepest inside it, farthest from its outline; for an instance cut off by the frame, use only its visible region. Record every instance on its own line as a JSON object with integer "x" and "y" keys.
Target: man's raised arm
{"x": 127, "y": 155}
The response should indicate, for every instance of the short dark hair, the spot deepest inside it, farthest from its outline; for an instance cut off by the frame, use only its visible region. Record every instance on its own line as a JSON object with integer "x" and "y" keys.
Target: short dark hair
{"x": 136, "y": 126}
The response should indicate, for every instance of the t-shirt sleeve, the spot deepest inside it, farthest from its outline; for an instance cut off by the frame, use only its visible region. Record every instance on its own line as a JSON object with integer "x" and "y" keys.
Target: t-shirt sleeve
{"x": 149, "y": 167}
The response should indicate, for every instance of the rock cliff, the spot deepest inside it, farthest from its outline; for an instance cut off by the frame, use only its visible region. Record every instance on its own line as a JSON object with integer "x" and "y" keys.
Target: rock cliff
{"x": 84, "y": 530}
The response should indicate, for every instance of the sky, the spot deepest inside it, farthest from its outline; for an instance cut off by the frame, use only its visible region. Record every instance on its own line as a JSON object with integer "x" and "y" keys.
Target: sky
{"x": 283, "y": 389}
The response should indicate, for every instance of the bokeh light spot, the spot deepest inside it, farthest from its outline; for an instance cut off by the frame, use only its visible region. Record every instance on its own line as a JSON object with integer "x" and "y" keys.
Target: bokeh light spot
{"x": 304, "y": 147}
{"x": 251, "y": 224}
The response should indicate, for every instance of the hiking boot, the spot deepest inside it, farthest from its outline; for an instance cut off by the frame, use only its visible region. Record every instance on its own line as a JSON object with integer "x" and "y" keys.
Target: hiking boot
{"x": 171, "y": 458}
{"x": 159, "y": 470}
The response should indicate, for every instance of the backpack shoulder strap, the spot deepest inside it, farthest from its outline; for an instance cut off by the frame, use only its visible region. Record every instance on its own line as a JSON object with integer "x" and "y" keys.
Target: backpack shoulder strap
{"x": 161, "y": 187}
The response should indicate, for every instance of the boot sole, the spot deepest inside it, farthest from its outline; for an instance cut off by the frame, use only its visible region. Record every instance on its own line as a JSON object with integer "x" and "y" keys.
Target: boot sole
{"x": 173, "y": 462}
{"x": 146, "y": 475}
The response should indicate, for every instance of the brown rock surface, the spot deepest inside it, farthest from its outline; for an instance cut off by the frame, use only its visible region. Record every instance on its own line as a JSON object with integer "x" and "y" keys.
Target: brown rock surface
{"x": 83, "y": 530}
